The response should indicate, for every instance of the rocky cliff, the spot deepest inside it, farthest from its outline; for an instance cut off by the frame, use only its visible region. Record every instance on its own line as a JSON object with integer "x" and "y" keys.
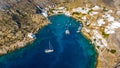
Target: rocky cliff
{"x": 17, "y": 19}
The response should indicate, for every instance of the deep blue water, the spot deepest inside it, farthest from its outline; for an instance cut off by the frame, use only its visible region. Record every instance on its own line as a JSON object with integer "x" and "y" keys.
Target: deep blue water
{"x": 70, "y": 51}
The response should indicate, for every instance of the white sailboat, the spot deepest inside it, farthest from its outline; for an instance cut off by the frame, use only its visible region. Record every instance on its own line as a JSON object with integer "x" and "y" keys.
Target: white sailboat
{"x": 50, "y": 49}
{"x": 67, "y": 32}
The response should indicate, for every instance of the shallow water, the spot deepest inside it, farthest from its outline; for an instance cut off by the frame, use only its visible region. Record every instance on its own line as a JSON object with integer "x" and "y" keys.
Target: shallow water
{"x": 70, "y": 51}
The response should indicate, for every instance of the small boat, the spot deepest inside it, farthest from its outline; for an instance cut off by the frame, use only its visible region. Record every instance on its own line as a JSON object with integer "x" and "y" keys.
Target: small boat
{"x": 79, "y": 28}
{"x": 50, "y": 49}
{"x": 78, "y": 31}
{"x": 67, "y": 32}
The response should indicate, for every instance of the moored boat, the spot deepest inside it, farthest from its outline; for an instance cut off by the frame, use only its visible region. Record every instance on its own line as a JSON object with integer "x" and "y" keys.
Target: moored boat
{"x": 67, "y": 32}
{"x": 50, "y": 49}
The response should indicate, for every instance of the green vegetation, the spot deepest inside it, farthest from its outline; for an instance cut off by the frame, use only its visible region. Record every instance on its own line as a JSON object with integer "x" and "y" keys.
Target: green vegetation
{"x": 90, "y": 11}
{"x": 51, "y": 10}
{"x": 98, "y": 47}
{"x": 104, "y": 9}
{"x": 105, "y": 35}
{"x": 113, "y": 51}
{"x": 84, "y": 14}
{"x": 75, "y": 13}
{"x": 94, "y": 39}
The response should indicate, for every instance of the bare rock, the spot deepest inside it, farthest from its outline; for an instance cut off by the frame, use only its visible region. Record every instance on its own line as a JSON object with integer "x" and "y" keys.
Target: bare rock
{"x": 118, "y": 13}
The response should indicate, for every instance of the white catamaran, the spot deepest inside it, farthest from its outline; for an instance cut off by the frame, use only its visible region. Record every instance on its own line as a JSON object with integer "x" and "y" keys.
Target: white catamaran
{"x": 50, "y": 49}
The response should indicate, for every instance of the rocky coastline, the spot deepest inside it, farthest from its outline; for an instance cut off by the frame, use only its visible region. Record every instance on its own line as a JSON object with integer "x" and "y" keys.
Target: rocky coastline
{"x": 16, "y": 22}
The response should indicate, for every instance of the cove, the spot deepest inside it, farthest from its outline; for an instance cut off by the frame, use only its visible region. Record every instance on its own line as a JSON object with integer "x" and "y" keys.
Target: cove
{"x": 70, "y": 51}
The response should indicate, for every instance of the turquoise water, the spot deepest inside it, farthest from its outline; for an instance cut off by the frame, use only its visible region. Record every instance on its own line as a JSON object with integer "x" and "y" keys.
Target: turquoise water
{"x": 70, "y": 51}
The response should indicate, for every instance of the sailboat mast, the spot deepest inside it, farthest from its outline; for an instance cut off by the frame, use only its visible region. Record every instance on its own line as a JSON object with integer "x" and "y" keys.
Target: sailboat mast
{"x": 49, "y": 44}
{"x": 50, "y": 47}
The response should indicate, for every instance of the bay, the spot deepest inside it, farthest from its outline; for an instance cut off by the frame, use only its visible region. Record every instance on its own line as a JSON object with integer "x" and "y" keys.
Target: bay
{"x": 70, "y": 50}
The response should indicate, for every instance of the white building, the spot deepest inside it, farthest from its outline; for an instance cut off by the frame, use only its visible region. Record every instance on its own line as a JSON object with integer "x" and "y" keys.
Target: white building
{"x": 110, "y": 11}
{"x": 110, "y": 29}
{"x": 100, "y": 22}
{"x": 84, "y": 18}
{"x": 96, "y": 8}
{"x": 61, "y": 8}
{"x": 115, "y": 24}
{"x": 44, "y": 14}
{"x": 99, "y": 40}
{"x": 93, "y": 13}
{"x": 81, "y": 10}
{"x": 31, "y": 35}
{"x": 108, "y": 17}
{"x": 67, "y": 13}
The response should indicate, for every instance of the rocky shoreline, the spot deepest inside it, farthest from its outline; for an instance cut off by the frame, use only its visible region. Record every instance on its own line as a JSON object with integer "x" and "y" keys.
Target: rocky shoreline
{"x": 21, "y": 43}
{"x": 16, "y": 23}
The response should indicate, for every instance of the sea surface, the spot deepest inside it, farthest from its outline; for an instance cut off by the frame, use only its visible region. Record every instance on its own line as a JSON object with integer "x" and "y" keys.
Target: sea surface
{"x": 70, "y": 51}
